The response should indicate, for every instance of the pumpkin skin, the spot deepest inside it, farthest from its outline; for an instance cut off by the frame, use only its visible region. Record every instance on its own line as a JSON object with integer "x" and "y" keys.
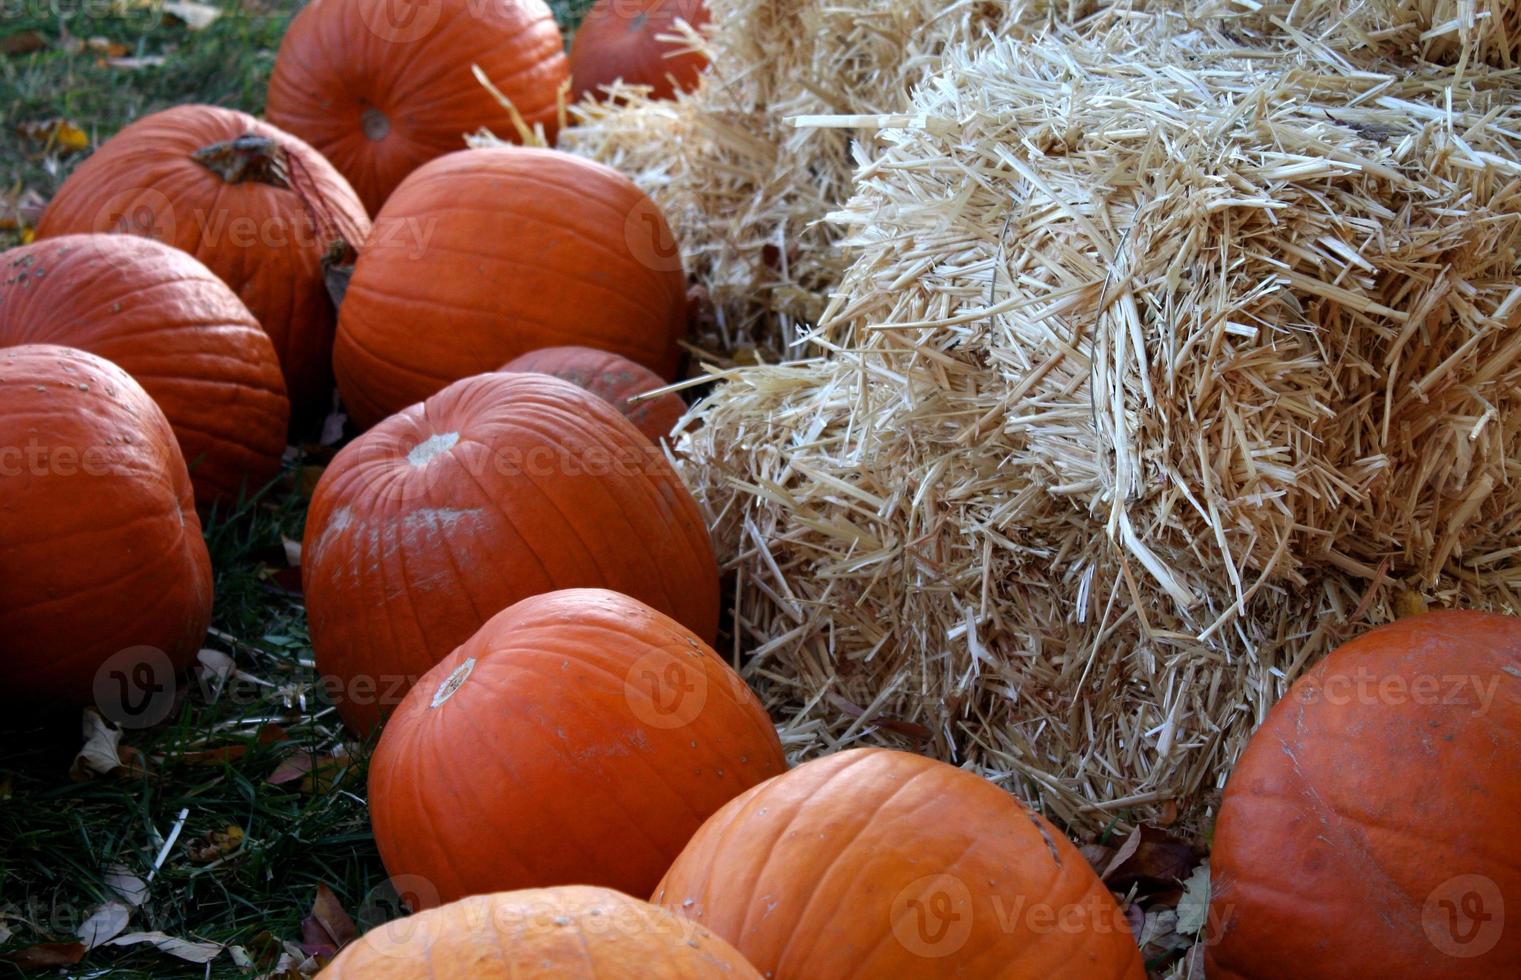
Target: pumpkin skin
{"x": 382, "y": 88}
{"x": 482, "y": 255}
{"x": 586, "y": 737}
{"x": 499, "y": 487}
{"x": 619, "y": 39}
{"x": 880, "y": 864}
{"x": 264, "y": 234}
{"x": 1375, "y": 808}
{"x": 100, "y": 546}
{"x": 614, "y": 379}
{"x": 165, "y": 319}
{"x": 554, "y": 933}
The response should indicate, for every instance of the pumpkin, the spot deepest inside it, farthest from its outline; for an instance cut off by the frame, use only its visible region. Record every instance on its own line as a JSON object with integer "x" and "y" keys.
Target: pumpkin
{"x": 257, "y": 206}
{"x": 165, "y": 319}
{"x": 1368, "y": 829}
{"x": 613, "y": 378}
{"x": 579, "y": 737}
{"x": 483, "y": 255}
{"x": 101, "y": 557}
{"x": 499, "y": 487}
{"x": 382, "y": 88}
{"x": 551, "y": 933}
{"x": 622, "y": 39}
{"x": 880, "y": 864}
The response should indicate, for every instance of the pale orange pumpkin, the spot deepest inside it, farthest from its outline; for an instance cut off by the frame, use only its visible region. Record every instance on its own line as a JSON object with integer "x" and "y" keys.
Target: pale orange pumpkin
{"x": 627, "y": 40}
{"x": 873, "y": 865}
{"x": 579, "y": 737}
{"x": 541, "y": 934}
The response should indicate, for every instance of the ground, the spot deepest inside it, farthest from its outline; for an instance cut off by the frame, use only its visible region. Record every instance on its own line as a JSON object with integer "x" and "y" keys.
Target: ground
{"x": 259, "y": 767}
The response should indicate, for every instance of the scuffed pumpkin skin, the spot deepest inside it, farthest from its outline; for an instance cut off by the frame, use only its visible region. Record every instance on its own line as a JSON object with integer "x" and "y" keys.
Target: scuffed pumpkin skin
{"x": 499, "y": 487}
{"x": 586, "y": 737}
{"x": 548, "y": 933}
{"x": 1370, "y": 827}
{"x": 165, "y": 319}
{"x": 873, "y": 865}
{"x": 100, "y": 548}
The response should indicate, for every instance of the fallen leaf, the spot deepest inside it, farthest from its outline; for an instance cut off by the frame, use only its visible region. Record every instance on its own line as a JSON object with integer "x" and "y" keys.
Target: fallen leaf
{"x": 240, "y": 957}
{"x": 44, "y": 955}
{"x": 1407, "y": 603}
{"x": 184, "y": 949}
{"x": 106, "y": 46}
{"x": 212, "y": 669}
{"x": 317, "y": 772}
{"x": 269, "y": 734}
{"x": 103, "y": 754}
{"x": 104, "y": 924}
{"x": 329, "y": 928}
{"x": 1123, "y": 854}
{"x": 1158, "y": 862}
{"x": 129, "y": 887}
{"x": 292, "y": 551}
{"x": 1193, "y": 907}
{"x": 24, "y": 43}
{"x": 217, "y": 844}
{"x": 56, "y": 134}
{"x": 196, "y": 16}
{"x": 332, "y": 429}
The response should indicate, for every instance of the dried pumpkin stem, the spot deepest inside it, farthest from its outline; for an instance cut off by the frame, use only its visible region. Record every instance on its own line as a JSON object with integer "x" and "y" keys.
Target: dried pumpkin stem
{"x": 246, "y": 158}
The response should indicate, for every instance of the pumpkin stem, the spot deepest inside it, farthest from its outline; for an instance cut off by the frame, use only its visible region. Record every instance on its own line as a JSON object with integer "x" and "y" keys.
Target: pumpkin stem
{"x": 246, "y": 158}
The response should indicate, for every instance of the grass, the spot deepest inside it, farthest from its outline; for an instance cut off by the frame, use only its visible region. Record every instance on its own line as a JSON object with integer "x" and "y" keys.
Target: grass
{"x": 251, "y": 854}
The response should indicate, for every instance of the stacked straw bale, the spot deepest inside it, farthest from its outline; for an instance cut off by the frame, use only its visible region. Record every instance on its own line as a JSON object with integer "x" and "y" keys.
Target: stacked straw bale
{"x": 1162, "y": 365}
{"x": 1460, "y": 32}
{"x": 743, "y": 188}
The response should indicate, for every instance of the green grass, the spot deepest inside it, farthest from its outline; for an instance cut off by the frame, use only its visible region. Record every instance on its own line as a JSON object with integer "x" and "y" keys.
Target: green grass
{"x": 58, "y": 836}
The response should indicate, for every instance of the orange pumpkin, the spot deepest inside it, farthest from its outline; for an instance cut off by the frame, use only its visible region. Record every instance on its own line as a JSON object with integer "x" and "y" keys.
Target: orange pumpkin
{"x": 614, "y": 379}
{"x": 483, "y": 255}
{"x": 499, "y": 487}
{"x": 382, "y": 88}
{"x": 257, "y": 206}
{"x": 1368, "y": 828}
{"x": 164, "y": 318}
{"x": 101, "y": 554}
{"x": 548, "y": 933}
{"x": 878, "y": 864}
{"x": 622, "y": 39}
{"x": 579, "y": 737}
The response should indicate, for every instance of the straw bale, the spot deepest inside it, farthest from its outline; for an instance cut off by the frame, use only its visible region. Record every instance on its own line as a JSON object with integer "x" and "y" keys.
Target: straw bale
{"x": 1161, "y": 365}
{"x": 1460, "y": 32}
{"x": 743, "y": 188}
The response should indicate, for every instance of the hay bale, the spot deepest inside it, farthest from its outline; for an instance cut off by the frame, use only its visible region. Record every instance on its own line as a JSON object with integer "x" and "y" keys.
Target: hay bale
{"x": 1454, "y": 32}
{"x": 744, "y": 190}
{"x": 1161, "y": 365}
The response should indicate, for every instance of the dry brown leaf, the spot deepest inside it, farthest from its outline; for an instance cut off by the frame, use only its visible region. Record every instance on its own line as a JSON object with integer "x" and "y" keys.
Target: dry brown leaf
{"x": 23, "y": 43}
{"x": 55, "y": 134}
{"x": 184, "y": 949}
{"x": 316, "y": 772}
{"x": 103, "y": 754}
{"x": 215, "y": 845}
{"x": 45, "y": 955}
{"x": 329, "y": 928}
{"x": 104, "y": 924}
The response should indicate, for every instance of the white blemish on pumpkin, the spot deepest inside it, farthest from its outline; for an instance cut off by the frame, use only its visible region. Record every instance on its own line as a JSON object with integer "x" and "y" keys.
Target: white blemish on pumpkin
{"x": 336, "y": 525}
{"x": 452, "y": 683}
{"x": 426, "y": 451}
